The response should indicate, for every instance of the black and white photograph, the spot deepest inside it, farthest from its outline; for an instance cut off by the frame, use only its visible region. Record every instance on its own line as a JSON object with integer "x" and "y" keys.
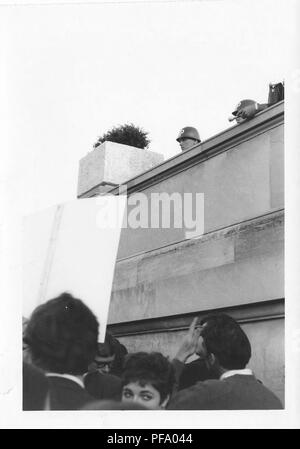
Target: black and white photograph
{"x": 150, "y": 215}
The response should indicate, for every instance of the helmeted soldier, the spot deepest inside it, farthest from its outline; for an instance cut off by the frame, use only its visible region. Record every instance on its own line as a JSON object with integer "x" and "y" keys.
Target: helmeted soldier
{"x": 246, "y": 109}
{"x": 188, "y": 137}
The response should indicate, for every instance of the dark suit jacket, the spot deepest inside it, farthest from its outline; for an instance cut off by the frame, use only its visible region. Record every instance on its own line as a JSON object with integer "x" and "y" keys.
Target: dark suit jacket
{"x": 193, "y": 372}
{"x": 35, "y": 388}
{"x": 65, "y": 394}
{"x": 187, "y": 374}
{"x": 103, "y": 386}
{"x": 238, "y": 392}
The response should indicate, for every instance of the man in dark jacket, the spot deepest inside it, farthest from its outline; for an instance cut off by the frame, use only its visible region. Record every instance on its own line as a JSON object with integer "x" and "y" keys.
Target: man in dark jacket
{"x": 62, "y": 338}
{"x": 224, "y": 346}
{"x": 102, "y": 380}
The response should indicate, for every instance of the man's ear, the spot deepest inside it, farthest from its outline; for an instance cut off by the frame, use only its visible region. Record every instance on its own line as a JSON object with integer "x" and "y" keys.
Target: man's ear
{"x": 164, "y": 403}
{"x": 211, "y": 359}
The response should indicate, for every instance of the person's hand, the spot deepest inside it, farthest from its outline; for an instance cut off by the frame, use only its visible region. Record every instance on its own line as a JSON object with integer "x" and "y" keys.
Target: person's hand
{"x": 189, "y": 343}
{"x": 247, "y": 111}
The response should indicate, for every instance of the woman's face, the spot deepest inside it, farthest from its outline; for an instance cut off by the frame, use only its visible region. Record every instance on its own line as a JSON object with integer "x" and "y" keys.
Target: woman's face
{"x": 145, "y": 395}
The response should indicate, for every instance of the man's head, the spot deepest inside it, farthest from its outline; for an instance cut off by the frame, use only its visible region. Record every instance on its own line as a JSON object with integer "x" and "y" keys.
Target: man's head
{"x": 188, "y": 138}
{"x": 245, "y": 109}
{"x": 105, "y": 356}
{"x": 109, "y": 357}
{"x": 223, "y": 343}
{"x": 62, "y": 335}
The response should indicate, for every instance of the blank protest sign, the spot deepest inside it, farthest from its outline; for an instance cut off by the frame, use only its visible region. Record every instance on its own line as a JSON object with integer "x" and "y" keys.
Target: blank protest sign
{"x": 70, "y": 247}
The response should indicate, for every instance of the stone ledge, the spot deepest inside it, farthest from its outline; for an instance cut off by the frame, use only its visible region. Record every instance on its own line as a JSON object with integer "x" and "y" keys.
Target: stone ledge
{"x": 233, "y": 266}
{"x": 245, "y": 313}
{"x": 270, "y": 219}
{"x": 223, "y": 141}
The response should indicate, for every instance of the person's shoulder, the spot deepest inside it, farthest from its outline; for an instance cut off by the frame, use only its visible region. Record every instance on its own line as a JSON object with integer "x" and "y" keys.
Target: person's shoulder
{"x": 65, "y": 394}
{"x": 214, "y": 387}
{"x": 101, "y": 377}
{"x": 194, "y": 397}
{"x": 111, "y": 379}
{"x": 103, "y": 386}
{"x": 266, "y": 395}
{"x": 255, "y": 391}
{"x": 204, "y": 385}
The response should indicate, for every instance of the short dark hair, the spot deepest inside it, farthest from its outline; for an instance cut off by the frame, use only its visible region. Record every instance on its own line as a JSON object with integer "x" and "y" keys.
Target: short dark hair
{"x": 150, "y": 368}
{"x": 112, "y": 347}
{"x": 62, "y": 335}
{"x": 108, "y": 348}
{"x": 225, "y": 338}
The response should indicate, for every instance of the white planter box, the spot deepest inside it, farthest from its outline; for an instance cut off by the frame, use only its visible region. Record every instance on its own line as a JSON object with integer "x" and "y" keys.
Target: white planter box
{"x": 113, "y": 164}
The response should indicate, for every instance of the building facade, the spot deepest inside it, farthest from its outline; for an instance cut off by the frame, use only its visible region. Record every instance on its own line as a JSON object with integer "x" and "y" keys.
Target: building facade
{"x": 164, "y": 276}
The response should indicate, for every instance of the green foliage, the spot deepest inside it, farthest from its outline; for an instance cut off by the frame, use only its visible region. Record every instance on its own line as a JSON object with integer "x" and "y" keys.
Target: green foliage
{"x": 127, "y": 134}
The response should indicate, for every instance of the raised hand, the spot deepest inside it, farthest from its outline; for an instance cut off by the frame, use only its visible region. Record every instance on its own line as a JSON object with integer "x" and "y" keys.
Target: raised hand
{"x": 189, "y": 342}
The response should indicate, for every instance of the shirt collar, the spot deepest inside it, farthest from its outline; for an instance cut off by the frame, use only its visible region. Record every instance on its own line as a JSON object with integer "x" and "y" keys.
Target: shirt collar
{"x": 233, "y": 372}
{"x": 67, "y": 376}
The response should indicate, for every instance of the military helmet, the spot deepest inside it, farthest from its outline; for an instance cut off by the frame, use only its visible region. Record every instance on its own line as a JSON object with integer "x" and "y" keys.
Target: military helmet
{"x": 243, "y": 104}
{"x": 189, "y": 133}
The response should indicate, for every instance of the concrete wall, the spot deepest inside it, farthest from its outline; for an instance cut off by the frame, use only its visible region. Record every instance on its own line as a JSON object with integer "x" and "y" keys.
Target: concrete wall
{"x": 239, "y": 258}
{"x": 243, "y": 182}
{"x": 240, "y": 264}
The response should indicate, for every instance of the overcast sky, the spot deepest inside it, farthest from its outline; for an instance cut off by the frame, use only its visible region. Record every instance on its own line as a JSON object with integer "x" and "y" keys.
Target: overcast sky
{"x": 70, "y": 72}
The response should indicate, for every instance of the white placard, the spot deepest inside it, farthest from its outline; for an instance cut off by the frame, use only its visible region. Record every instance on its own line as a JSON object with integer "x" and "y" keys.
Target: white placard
{"x": 72, "y": 247}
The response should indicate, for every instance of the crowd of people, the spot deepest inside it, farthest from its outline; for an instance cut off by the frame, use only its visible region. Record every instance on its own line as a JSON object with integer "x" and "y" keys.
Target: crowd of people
{"x": 66, "y": 368}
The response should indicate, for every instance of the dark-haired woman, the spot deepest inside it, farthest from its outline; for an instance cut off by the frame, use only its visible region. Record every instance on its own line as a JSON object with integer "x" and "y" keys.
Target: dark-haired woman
{"x": 148, "y": 380}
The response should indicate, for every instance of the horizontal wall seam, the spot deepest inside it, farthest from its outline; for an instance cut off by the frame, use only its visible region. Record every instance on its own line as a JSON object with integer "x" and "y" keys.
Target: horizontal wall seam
{"x": 183, "y": 328}
{"x": 239, "y": 226}
{"x": 243, "y": 313}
